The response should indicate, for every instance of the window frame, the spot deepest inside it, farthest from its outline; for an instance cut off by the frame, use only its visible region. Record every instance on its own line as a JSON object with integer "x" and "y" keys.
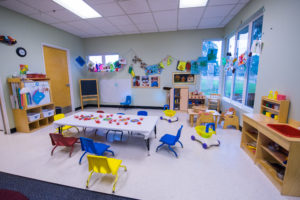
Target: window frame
{"x": 220, "y": 64}
{"x": 103, "y": 56}
{"x": 245, "y": 86}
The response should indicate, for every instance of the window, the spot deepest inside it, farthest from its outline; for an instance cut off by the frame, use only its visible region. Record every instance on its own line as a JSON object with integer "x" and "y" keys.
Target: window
{"x": 209, "y": 81}
{"x": 228, "y": 73}
{"x": 104, "y": 59}
{"x": 241, "y": 85}
{"x": 239, "y": 78}
{"x": 253, "y": 65}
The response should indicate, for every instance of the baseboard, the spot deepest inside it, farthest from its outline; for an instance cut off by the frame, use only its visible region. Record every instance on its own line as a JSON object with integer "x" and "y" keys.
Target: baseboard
{"x": 119, "y": 106}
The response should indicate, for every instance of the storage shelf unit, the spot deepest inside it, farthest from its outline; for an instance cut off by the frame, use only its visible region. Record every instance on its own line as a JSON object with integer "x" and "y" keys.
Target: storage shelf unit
{"x": 282, "y": 109}
{"x": 196, "y": 100}
{"x": 20, "y": 115}
{"x": 270, "y": 161}
{"x": 179, "y": 98}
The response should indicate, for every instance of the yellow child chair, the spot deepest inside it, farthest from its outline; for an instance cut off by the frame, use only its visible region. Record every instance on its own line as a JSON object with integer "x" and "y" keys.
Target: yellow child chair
{"x": 205, "y": 117}
{"x": 230, "y": 118}
{"x": 104, "y": 165}
{"x": 66, "y": 127}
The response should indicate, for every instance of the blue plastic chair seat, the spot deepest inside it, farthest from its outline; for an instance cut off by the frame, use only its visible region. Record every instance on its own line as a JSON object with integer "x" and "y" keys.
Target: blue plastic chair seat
{"x": 168, "y": 139}
{"x": 101, "y": 148}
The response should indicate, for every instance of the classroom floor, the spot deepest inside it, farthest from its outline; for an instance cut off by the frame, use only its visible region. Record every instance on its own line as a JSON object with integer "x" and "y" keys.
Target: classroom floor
{"x": 224, "y": 172}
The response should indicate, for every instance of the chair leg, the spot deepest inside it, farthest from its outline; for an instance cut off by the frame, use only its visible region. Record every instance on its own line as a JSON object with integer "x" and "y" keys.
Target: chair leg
{"x": 125, "y": 168}
{"x": 71, "y": 151}
{"x": 82, "y": 157}
{"x": 180, "y": 144}
{"x": 53, "y": 150}
{"x": 110, "y": 152}
{"x": 173, "y": 151}
{"x": 115, "y": 181}
{"x": 159, "y": 146}
{"x": 88, "y": 180}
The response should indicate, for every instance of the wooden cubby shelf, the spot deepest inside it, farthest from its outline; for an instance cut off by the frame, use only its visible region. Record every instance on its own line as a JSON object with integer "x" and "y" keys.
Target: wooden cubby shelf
{"x": 278, "y": 107}
{"x": 20, "y": 115}
{"x": 276, "y": 155}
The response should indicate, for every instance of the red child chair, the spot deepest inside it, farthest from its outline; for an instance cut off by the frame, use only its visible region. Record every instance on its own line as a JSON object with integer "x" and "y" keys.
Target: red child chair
{"x": 59, "y": 140}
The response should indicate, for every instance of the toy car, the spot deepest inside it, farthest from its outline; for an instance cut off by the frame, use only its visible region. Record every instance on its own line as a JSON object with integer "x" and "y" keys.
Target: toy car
{"x": 208, "y": 136}
{"x": 169, "y": 116}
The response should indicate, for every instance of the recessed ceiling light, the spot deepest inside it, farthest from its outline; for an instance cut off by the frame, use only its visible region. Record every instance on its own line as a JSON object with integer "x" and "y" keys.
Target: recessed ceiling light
{"x": 79, "y": 7}
{"x": 192, "y": 3}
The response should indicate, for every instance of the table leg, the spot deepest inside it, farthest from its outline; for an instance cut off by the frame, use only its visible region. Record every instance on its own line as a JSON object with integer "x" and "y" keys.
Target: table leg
{"x": 148, "y": 145}
{"x": 155, "y": 130}
{"x": 60, "y": 129}
{"x": 192, "y": 120}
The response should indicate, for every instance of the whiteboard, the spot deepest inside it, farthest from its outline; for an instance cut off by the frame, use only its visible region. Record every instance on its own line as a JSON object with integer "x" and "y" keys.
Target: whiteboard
{"x": 114, "y": 90}
{"x": 41, "y": 86}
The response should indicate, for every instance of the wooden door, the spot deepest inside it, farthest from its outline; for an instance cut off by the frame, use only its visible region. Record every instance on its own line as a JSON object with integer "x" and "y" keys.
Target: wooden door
{"x": 184, "y": 96}
{"x": 56, "y": 64}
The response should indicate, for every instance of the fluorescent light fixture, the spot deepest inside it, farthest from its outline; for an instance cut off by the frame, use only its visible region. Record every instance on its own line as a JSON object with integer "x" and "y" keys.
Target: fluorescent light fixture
{"x": 192, "y": 3}
{"x": 79, "y": 7}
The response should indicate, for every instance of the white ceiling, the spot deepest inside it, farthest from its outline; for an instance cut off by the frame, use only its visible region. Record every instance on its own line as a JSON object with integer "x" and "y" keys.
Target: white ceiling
{"x": 122, "y": 17}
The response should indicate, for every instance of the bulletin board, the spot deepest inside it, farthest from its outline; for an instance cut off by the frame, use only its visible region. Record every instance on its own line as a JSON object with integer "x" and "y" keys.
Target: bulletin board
{"x": 145, "y": 82}
{"x": 114, "y": 90}
{"x": 39, "y": 87}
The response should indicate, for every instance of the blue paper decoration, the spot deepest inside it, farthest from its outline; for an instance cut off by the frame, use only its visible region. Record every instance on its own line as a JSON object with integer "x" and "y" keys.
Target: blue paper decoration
{"x": 212, "y": 54}
{"x": 153, "y": 69}
{"x": 80, "y": 61}
{"x": 38, "y": 97}
{"x": 195, "y": 67}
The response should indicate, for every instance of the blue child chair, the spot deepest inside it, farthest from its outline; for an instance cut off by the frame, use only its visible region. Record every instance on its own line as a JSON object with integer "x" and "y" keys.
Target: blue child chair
{"x": 171, "y": 140}
{"x": 89, "y": 146}
{"x": 127, "y": 102}
{"x": 142, "y": 113}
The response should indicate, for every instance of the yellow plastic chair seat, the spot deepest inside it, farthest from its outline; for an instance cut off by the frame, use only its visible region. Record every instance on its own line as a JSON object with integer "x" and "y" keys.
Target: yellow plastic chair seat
{"x": 104, "y": 165}
{"x": 66, "y": 127}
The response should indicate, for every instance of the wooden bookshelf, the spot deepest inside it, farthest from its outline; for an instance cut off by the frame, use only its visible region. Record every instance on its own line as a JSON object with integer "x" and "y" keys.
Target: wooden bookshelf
{"x": 282, "y": 109}
{"x": 285, "y": 158}
{"x": 20, "y": 115}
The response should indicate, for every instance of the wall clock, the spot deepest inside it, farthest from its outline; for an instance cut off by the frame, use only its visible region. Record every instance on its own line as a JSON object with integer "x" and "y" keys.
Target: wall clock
{"x": 21, "y": 52}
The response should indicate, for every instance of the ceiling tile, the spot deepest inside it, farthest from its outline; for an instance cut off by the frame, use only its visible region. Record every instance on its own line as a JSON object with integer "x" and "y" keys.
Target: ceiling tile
{"x": 227, "y": 19}
{"x": 189, "y": 16}
{"x": 211, "y": 21}
{"x": 157, "y": 5}
{"x": 97, "y": 2}
{"x": 82, "y": 25}
{"x": 167, "y": 29}
{"x": 166, "y": 19}
{"x": 128, "y": 28}
{"x": 43, "y": 17}
{"x": 217, "y": 11}
{"x": 149, "y": 31}
{"x": 244, "y": 1}
{"x": 237, "y": 9}
{"x": 104, "y": 25}
{"x": 147, "y": 26}
{"x": 42, "y": 5}
{"x": 134, "y": 6}
{"x": 221, "y": 2}
{"x": 120, "y": 20}
{"x": 68, "y": 28}
{"x": 142, "y": 18}
{"x": 109, "y": 9}
{"x": 64, "y": 15}
{"x": 187, "y": 28}
{"x": 18, "y": 7}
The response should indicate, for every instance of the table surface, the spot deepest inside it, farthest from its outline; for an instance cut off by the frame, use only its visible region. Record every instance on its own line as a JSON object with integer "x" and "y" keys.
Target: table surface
{"x": 146, "y": 127}
{"x": 214, "y": 112}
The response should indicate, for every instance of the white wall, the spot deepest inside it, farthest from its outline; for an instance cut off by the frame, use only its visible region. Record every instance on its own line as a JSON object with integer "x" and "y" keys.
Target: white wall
{"x": 30, "y": 34}
{"x": 151, "y": 48}
{"x": 278, "y": 68}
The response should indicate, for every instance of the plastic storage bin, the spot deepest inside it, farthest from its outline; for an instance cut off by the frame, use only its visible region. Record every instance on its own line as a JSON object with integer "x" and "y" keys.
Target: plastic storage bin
{"x": 33, "y": 116}
{"x": 47, "y": 112}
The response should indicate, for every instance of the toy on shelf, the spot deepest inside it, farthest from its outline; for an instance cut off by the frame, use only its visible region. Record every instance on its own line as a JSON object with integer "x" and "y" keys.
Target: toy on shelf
{"x": 207, "y": 135}
{"x": 230, "y": 118}
{"x": 7, "y": 40}
{"x": 169, "y": 116}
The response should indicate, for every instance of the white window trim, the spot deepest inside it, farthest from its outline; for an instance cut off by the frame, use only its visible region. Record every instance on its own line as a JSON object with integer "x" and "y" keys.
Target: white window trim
{"x": 230, "y": 100}
{"x": 103, "y": 56}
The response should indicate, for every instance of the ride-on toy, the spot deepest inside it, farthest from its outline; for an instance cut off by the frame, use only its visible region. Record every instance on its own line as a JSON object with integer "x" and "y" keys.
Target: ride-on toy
{"x": 169, "y": 116}
{"x": 208, "y": 136}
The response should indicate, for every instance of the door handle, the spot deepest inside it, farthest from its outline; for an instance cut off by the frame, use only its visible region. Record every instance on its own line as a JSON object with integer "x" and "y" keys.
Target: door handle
{"x": 68, "y": 84}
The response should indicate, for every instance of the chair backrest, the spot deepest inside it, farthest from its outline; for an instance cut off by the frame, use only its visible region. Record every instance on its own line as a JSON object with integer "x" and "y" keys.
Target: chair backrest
{"x": 178, "y": 133}
{"x": 87, "y": 144}
{"x": 206, "y": 117}
{"x": 59, "y": 116}
{"x": 128, "y": 99}
{"x": 99, "y": 164}
{"x": 166, "y": 107}
{"x": 57, "y": 139}
{"x": 142, "y": 113}
{"x": 210, "y": 125}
